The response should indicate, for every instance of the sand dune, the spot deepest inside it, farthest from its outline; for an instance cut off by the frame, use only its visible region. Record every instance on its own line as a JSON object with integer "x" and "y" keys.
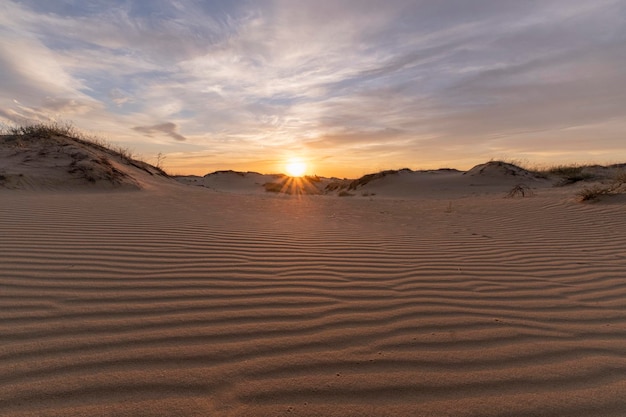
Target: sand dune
{"x": 189, "y": 302}
{"x": 231, "y": 181}
{"x": 491, "y": 177}
{"x": 46, "y": 159}
{"x": 255, "y": 183}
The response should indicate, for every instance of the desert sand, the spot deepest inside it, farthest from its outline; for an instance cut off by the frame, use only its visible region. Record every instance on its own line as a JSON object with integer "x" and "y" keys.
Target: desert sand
{"x": 424, "y": 294}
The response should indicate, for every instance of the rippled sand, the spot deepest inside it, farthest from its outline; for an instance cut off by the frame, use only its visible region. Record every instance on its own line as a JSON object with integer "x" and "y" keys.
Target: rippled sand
{"x": 192, "y": 303}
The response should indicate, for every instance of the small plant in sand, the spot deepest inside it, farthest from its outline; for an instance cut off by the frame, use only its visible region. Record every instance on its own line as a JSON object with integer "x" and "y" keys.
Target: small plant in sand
{"x": 520, "y": 190}
{"x": 595, "y": 192}
{"x": 345, "y": 194}
{"x": 159, "y": 160}
{"x": 125, "y": 154}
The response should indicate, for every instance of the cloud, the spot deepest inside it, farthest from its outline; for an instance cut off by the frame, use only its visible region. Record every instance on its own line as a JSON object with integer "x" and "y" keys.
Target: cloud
{"x": 67, "y": 105}
{"x": 120, "y": 97}
{"x": 30, "y": 69}
{"x": 168, "y": 128}
{"x": 49, "y": 109}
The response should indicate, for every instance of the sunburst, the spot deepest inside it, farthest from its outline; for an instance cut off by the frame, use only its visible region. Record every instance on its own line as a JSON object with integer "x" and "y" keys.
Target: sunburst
{"x": 295, "y": 168}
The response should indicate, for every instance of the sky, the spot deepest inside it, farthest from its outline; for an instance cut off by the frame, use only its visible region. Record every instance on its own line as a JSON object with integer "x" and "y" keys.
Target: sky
{"x": 348, "y": 86}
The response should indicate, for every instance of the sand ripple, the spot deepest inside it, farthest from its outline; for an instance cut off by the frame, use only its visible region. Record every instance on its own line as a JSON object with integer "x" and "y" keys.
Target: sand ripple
{"x": 212, "y": 304}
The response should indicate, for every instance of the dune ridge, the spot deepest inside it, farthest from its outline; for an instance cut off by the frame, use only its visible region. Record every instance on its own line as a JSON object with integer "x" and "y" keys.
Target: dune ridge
{"x": 175, "y": 303}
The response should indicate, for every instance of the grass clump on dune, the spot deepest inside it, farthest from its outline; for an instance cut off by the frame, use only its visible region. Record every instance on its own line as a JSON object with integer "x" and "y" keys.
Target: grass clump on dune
{"x": 53, "y": 131}
{"x": 42, "y": 130}
{"x": 569, "y": 174}
{"x": 595, "y": 192}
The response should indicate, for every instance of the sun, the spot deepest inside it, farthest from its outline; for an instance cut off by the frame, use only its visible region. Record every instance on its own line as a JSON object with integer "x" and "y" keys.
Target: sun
{"x": 295, "y": 168}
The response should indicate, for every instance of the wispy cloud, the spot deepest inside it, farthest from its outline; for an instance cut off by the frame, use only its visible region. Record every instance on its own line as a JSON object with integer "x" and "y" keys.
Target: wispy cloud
{"x": 167, "y": 128}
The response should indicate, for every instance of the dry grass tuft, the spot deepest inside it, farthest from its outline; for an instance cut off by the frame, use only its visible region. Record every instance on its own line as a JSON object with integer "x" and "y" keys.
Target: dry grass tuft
{"x": 520, "y": 190}
{"x": 568, "y": 174}
{"x": 42, "y": 130}
{"x": 595, "y": 192}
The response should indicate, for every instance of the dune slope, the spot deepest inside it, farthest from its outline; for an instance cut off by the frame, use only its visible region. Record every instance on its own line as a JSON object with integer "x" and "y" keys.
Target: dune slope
{"x": 196, "y": 303}
{"x": 45, "y": 159}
